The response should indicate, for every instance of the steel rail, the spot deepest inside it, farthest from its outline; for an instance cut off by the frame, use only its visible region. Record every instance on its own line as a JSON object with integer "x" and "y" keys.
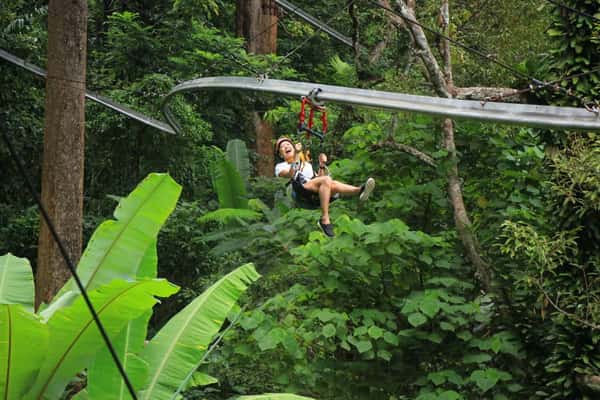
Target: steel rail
{"x": 286, "y": 5}
{"x": 105, "y": 101}
{"x": 521, "y": 114}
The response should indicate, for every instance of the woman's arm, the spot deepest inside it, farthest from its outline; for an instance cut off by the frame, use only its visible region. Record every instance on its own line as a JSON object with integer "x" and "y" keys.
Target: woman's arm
{"x": 288, "y": 172}
{"x": 322, "y": 165}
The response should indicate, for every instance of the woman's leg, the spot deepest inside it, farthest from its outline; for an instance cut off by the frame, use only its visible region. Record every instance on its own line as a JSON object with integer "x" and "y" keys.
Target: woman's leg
{"x": 344, "y": 188}
{"x": 321, "y": 185}
{"x": 326, "y": 187}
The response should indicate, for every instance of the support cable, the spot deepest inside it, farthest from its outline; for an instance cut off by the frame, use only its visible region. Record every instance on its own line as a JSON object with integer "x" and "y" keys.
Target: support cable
{"x": 535, "y": 83}
{"x": 573, "y": 10}
{"x": 69, "y": 263}
{"x": 304, "y": 42}
{"x": 457, "y": 43}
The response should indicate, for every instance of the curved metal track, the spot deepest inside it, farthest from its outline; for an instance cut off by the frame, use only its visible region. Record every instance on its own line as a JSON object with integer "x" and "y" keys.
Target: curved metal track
{"x": 521, "y": 114}
{"x": 105, "y": 101}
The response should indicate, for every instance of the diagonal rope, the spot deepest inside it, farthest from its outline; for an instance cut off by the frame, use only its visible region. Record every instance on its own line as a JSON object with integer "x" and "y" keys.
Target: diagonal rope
{"x": 457, "y": 43}
{"x": 573, "y": 10}
{"x": 305, "y": 41}
{"x": 535, "y": 83}
{"x": 68, "y": 261}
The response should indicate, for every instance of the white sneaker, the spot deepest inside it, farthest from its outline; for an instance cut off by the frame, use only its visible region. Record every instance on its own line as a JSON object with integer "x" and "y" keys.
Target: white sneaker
{"x": 366, "y": 189}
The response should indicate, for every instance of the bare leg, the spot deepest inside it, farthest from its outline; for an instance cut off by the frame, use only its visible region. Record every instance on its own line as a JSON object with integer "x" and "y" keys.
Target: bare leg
{"x": 322, "y": 185}
{"x": 325, "y": 187}
{"x": 344, "y": 188}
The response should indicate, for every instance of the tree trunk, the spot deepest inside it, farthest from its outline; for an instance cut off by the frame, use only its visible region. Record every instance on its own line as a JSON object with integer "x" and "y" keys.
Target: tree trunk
{"x": 443, "y": 84}
{"x": 256, "y": 21}
{"x": 62, "y": 167}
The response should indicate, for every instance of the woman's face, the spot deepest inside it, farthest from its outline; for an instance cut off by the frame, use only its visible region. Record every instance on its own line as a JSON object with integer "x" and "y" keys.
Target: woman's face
{"x": 286, "y": 151}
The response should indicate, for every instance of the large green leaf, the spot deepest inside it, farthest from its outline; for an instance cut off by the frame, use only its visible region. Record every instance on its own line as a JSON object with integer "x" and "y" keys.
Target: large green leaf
{"x": 229, "y": 185}
{"x": 23, "y": 343}
{"x": 272, "y": 396}
{"x": 75, "y": 338}
{"x": 104, "y": 379}
{"x": 117, "y": 248}
{"x": 237, "y": 154}
{"x": 179, "y": 346}
{"x": 16, "y": 281}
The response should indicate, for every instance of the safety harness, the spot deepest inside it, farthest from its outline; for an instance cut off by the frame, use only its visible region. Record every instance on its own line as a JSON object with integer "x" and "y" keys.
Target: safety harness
{"x": 309, "y": 107}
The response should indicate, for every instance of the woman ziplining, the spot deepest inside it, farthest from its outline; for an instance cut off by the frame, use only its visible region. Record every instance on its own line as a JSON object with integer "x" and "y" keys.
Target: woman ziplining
{"x": 309, "y": 188}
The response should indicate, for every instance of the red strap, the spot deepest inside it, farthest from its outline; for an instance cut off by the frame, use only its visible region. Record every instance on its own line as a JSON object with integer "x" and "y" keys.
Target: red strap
{"x": 311, "y": 115}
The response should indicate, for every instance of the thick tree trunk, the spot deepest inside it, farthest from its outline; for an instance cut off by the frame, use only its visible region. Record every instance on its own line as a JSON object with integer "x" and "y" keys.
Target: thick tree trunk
{"x": 256, "y": 21}
{"x": 264, "y": 145}
{"x": 62, "y": 168}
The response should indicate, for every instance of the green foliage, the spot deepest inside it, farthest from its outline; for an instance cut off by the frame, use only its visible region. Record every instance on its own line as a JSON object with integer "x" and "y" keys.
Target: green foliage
{"x": 237, "y": 154}
{"x": 576, "y": 50}
{"x": 177, "y": 350}
{"x": 361, "y": 308}
{"x": 229, "y": 185}
{"x": 21, "y": 361}
{"x": 16, "y": 282}
{"x": 139, "y": 217}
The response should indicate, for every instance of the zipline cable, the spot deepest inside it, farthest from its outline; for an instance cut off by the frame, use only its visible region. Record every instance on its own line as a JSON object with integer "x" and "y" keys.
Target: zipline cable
{"x": 69, "y": 262}
{"x": 535, "y": 83}
{"x": 573, "y": 10}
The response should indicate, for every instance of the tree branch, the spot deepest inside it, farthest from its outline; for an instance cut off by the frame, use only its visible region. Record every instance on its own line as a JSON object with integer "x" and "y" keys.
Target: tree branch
{"x": 390, "y": 143}
{"x": 423, "y": 50}
{"x": 442, "y": 84}
{"x": 567, "y": 314}
{"x": 445, "y": 45}
{"x": 488, "y": 94}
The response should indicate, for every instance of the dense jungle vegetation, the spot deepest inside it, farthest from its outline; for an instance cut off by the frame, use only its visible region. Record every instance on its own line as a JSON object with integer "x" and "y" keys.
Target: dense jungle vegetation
{"x": 393, "y": 307}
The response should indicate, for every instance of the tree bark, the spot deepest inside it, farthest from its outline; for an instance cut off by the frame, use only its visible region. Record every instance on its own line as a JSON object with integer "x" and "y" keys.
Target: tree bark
{"x": 443, "y": 85}
{"x": 483, "y": 93}
{"x": 461, "y": 218}
{"x": 64, "y": 123}
{"x": 256, "y": 21}
{"x": 435, "y": 74}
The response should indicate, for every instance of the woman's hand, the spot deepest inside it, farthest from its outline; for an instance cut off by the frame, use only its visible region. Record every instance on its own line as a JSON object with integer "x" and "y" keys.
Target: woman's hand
{"x": 322, "y": 160}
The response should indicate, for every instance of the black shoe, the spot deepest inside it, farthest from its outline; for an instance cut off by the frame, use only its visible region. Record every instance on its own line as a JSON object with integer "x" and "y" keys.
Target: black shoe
{"x": 366, "y": 189}
{"x": 327, "y": 229}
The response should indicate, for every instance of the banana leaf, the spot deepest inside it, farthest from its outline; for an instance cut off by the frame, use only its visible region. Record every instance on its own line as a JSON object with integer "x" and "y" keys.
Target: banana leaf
{"x": 237, "y": 154}
{"x": 178, "y": 347}
{"x": 75, "y": 338}
{"x": 104, "y": 379}
{"x": 229, "y": 185}
{"x": 117, "y": 247}
{"x": 16, "y": 281}
{"x": 83, "y": 395}
{"x": 19, "y": 357}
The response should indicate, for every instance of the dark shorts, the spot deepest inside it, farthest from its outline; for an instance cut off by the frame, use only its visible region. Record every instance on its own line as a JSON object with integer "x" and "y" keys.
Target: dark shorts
{"x": 304, "y": 197}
